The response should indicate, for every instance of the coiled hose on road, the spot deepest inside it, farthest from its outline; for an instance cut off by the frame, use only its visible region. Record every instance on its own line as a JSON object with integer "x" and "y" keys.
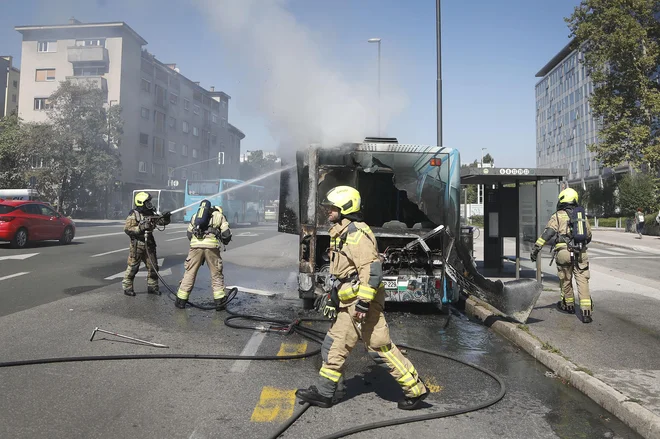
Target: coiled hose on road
{"x": 285, "y": 327}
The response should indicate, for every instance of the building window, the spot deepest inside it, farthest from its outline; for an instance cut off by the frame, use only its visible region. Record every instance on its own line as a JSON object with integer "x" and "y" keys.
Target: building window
{"x": 184, "y": 174}
{"x": 194, "y": 153}
{"x": 43, "y": 75}
{"x": 184, "y": 150}
{"x": 88, "y": 71}
{"x": 224, "y": 104}
{"x": 195, "y": 132}
{"x": 174, "y": 99}
{"x": 170, "y": 171}
{"x": 145, "y": 85}
{"x": 41, "y": 104}
{"x": 15, "y": 84}
{"x": 186, "y": 104}
{"x": 91, "y": 42}
{"x": 47, "y": 46}
{"x": 172, "y": 146}
{"x": 144, "y": 139}
{"x": 214, "y": 139}
{"x": 224, "y": 123}
{"x": 153, "y": 169}
{"x": 144, "y": 113}
{"x": 159, "y": 147}
{"x": 159, "y": 118}
{"x": 13, "y": 98}
{"x": 196, "y": 109}
{"x": 186, "y": 128}
{"x": 214, "y": 118}
{"x": 161, "y": 96}
{"x": 142, "y": 167}
{"x": 171, "y": 122}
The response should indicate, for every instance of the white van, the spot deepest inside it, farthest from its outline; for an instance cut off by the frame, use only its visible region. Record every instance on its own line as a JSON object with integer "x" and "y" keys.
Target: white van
{"x": 19, "y": 194}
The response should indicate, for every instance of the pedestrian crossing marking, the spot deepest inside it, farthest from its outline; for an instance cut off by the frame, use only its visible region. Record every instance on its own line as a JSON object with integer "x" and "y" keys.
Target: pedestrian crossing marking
{"x": 432, "y": 384}
{"x": 275, "y": 405}
{"x": 142, "y": 272}
{"x": 287, "y": 349}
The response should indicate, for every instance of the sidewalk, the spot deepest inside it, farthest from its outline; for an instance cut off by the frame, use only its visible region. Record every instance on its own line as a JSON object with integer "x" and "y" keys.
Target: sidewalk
{"x": 616, "y": 359}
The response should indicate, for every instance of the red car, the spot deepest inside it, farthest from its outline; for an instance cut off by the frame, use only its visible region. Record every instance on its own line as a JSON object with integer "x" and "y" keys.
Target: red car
{"x": 23, "y": 221}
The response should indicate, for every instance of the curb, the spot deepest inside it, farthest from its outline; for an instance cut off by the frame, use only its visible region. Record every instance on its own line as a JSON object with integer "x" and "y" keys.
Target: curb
{"x": 640, "y": 419}
{"x": 628, "y": 247}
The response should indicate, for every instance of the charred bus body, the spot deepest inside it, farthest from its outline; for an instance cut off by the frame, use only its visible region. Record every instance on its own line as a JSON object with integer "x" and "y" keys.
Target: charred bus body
{"x": 408, "y": 192}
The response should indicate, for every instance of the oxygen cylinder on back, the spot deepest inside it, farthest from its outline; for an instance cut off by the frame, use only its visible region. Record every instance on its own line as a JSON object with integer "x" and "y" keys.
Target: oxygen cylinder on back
{"x": 202, "y": 219}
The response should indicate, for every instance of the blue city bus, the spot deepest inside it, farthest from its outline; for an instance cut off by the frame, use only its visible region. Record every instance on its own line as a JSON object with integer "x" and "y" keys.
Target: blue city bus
{"x": 241, "y": 205}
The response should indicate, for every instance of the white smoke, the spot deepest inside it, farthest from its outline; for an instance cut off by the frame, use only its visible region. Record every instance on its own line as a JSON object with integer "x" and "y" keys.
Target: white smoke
{"x": 301, "y": 95}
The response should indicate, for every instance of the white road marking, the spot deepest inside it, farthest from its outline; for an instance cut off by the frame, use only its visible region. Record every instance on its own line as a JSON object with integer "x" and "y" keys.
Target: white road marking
{"x": 14, "y": 275}
{"x": 250, "y": 348}
{"x": 142, "y": 272}
{"x": 108, "y": 253}
{"x": 178, "y": 231}
{"x": 247, "y": 234}
{"x": 597, "y": 251}
{"x": 253, "y": 291}
{"x": 20, "y": 257}
{"x": 174, "y": 239}
{"x": 99, "y": 236}
{"x": 624, "y": 257}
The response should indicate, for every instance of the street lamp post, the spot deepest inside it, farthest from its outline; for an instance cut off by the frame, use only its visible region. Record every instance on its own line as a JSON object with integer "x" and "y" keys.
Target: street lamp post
{"x": 377, "y": 40}
{"x": 438, "y": 36}
{"x": 480, "y": 187}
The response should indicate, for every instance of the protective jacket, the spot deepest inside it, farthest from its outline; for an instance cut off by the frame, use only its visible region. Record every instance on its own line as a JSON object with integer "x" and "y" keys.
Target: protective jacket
{"x": 218, "y": 230}
{"x": 355, "y": 262}
{"x": 559, "y": 226}
{"x": 132, "y": 226}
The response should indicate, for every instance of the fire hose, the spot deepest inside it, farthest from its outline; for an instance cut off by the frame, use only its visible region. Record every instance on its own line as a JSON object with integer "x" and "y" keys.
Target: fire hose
{"x": 285, "y": 327}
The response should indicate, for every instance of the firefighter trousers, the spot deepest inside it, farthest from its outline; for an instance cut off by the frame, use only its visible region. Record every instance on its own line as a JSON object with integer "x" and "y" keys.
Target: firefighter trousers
{"x": 567, "y": 270}
{"x": 195, "y": 259}
{"x": 138, "y": 254}
{"x": 342, "y": 338}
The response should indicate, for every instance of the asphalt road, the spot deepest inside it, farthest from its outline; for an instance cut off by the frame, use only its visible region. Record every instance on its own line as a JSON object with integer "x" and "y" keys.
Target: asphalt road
{"x": 67, "y": 291}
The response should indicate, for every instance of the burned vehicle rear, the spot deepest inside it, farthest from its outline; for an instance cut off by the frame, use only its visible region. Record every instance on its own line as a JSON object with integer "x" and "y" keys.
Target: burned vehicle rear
{"x": 409, "y": 194}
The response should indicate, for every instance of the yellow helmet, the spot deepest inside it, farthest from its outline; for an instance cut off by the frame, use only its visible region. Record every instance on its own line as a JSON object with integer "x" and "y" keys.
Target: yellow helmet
{"x": 141, "y": 198}
{"x": 345, "y": 198}
{"x": 568, "y": 196}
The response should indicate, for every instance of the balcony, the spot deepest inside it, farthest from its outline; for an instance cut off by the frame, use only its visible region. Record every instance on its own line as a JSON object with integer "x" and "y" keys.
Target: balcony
{"x": 97, "y": 81}
{"x": 88, "y": 55}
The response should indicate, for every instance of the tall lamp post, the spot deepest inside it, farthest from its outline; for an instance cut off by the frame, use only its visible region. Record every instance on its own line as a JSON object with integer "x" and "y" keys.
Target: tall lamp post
{"x": 377, "y": 40}
{"x": 480, "y": 188}
{"x": 438, "y": 38}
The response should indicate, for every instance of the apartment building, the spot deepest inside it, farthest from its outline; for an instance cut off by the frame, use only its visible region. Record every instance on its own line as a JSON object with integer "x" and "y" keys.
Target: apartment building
{"x": 9, "y": 86}
{"x": 174, "y": 129}
{"x": 564, "y": 123}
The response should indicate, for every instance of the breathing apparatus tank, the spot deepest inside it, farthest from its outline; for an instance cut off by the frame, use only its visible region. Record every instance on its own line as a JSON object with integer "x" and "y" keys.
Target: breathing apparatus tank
{"x": 202, "y": 219}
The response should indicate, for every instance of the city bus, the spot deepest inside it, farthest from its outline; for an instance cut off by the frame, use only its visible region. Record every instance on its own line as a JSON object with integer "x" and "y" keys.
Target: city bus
{"x": 166, "y": 200}
{"x": 240, "y": 203}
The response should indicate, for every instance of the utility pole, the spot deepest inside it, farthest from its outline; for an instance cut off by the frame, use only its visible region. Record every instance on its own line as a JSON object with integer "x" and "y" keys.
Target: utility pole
{"x": 438, "y": 32}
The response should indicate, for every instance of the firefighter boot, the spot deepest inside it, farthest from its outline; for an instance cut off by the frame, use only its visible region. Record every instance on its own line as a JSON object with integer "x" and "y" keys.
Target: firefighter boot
{"x": 153, "y": 290}
{"x": 180, "y": 303}
{"x": 563, "y": 307}
{"x": 586, "y": 316}
{"x": 313, "y": 397}
{"x": 412, "y": 403}
{"x": 129, "y": 292}
{"x": 220, "y": 303}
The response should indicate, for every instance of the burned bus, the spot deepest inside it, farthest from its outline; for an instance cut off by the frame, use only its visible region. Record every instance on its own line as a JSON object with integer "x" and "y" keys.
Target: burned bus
{"x": 409, "y": 194}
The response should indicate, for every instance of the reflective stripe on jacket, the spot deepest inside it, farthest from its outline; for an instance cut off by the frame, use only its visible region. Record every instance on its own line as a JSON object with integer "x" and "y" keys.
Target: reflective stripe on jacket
{"x": 559, "y": 224}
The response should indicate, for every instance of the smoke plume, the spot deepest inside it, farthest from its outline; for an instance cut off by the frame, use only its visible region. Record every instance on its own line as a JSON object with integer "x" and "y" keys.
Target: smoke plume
{"x": 303, "y": 98}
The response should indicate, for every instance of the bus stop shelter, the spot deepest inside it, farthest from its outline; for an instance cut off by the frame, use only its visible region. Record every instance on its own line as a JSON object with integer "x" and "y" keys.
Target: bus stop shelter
{"x": 518, "y": 203}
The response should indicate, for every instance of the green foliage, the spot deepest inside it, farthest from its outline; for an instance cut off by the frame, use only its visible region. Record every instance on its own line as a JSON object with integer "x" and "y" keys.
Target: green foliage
{"x": 477, "y": 220}
{"x": 259, "y": 164}
{"x": 14, "y": 156}
{"x": 620, "y": 40}
{"x": 637, "y": 191}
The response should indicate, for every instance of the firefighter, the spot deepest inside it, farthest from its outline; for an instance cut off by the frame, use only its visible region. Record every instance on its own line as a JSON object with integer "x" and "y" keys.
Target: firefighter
{"x": 572, "y": 233}
{"x": 138, "y": 227}
{"x": 208, "y": 227}
{"x": 356, "y": 272}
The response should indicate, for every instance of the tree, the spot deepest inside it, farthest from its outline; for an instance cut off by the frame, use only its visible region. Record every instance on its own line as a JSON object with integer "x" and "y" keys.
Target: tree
{"x": 620, "y": 40}
{"x": 79, "y": 145}
{"x": 257, "y": 164}
{"x": 635, "y": 191}
{"x": 14, "y": 156}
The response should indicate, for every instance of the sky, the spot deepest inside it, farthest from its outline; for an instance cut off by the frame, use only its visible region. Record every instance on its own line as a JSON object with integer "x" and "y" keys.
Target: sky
{"x": 302, "y": 71}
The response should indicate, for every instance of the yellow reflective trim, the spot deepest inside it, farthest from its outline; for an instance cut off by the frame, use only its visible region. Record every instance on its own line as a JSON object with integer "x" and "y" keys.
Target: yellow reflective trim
{"x": 330, "y": 374}
{"x": 366, "y": 292}
{"x": 347, "y": 293}
{"x": 540, "y": 242}
{"x": 219, "y": 294}
{"x": 182, "y": 295}
{"x": 585, "y": 302}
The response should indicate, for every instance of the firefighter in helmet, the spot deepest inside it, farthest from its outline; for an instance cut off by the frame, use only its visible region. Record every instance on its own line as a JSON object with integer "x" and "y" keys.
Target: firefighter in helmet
{"x": 139, "y": 225}
{"x": 571, "y": 232}
{"x": 356, "y": 274}
{"x": 208, "y": 227}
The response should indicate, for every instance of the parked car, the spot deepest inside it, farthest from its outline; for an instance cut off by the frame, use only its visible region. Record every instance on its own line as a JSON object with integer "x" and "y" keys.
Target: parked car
{"x": 25, "y": 221}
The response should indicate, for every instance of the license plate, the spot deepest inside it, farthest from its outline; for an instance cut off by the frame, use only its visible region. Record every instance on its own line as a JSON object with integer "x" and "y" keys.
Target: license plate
{"x": 390, "y": 284}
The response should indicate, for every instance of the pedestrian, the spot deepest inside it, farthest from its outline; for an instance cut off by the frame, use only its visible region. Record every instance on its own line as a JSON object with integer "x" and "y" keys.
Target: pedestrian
{"x": 139, "y": 227}
{"x": 570, "y": 232}
{"x": 208, "y": 227}
{"x": 639, "y": 222}
{"x": 358, "y": 299}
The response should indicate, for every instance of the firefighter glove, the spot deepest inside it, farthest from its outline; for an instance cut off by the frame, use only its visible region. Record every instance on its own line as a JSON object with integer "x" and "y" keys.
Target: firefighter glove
{"x": 534, "y": 254}
{"x": 362, "y": 306}
{"x": 146, "y": 225}
{"x": 330, "y": 311}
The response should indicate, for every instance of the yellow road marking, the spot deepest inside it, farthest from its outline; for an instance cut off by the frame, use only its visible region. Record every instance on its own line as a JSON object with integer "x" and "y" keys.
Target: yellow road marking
{"x": 275, "y": 405}
{"x": 292, "y": 349}
{"x": 432, "y": 384}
